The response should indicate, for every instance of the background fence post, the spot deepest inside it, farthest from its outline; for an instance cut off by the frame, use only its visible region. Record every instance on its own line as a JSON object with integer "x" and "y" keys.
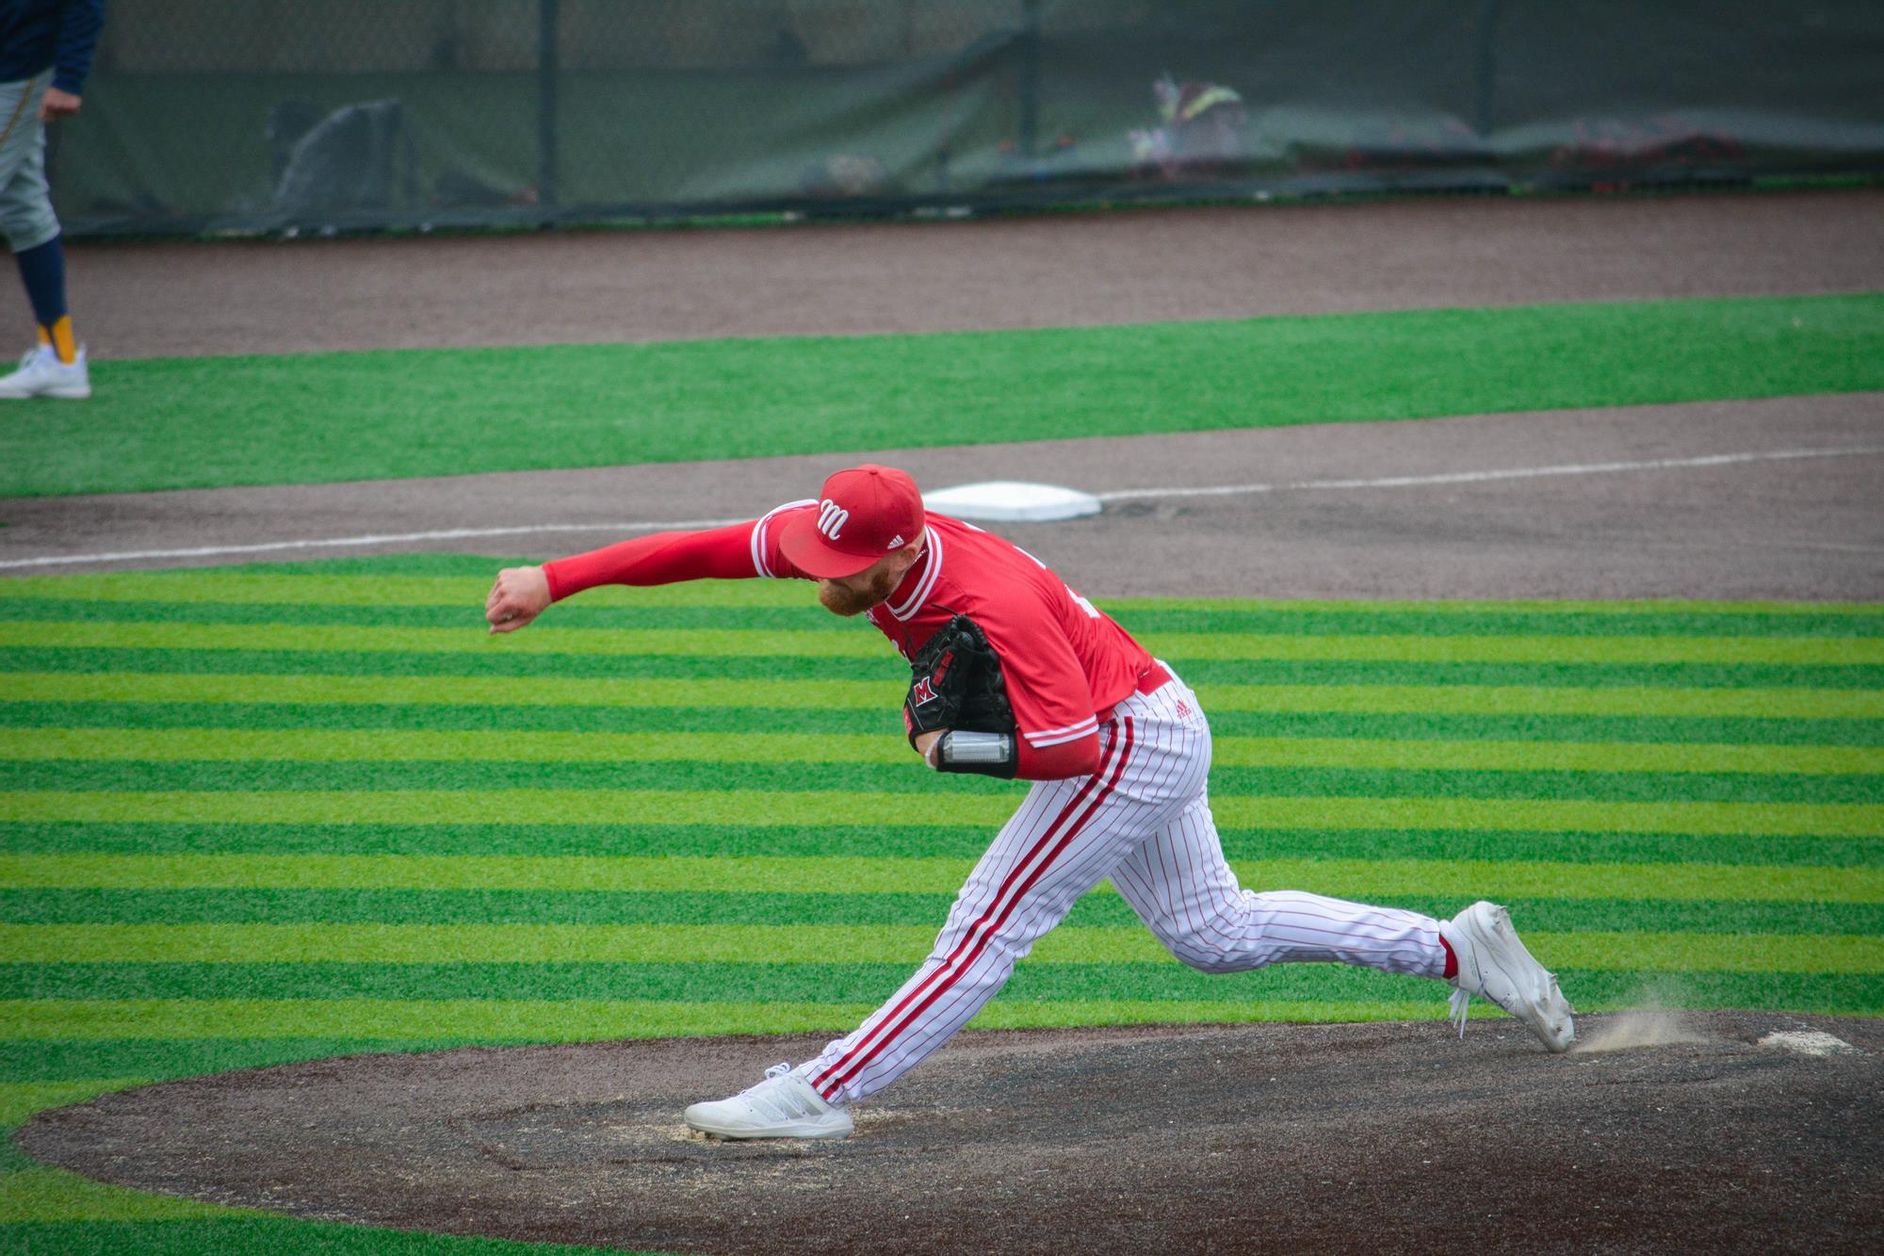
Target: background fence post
{"x": 548, "y": 68}
{"x": 1488, "y": 12}
{"x": 1030, "y": 78}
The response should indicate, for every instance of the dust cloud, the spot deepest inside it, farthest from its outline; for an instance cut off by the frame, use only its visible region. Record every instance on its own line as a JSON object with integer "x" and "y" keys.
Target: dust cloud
{"x": 1654, "y": 1021}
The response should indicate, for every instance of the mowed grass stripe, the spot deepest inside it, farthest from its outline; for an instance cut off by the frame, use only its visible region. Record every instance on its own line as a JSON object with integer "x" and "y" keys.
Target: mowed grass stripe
{"x": 629, "y": 779}
{"x": 501, "y": 664}
{"x": 371, "y": 746}
{"x": 1141, "y": 619}
{"x": 56, "y": 1059}
{"x": 388, "y": 586}
{"x": 426, "y": 1021}
{"x": 34, "y": 1200}
{"x": 1232, "y": 786}
{"x": 840, "y": 980}
{"x": 147, "y": 718}
{"x": 767, "y": 945}
{"x": 1533, "y": 756}
{"x": 549, "y": 691}
{"x": 230, "y": 586}
{"x": 366, "y": 746}
{"x": 67, "y": 905}
{"x": 382, "y": 582}
{"x": 1348, "y": 878}
{"x": 1160, "y": 980}
{"x": 741, "y": 669}
{"x": 882, "y": 722}
{"x": 19, "y": 1100}
{"x": 765, "y": 808}
{"x": 391, "y": 1021}
{"x": 818, "y": 642}
{"x": 123, "y": 1223}
{"x": 1149, "y": 616}
{"x": 855, "y": 642}
{"x": 151, "y": 1225}
{"x": 861, "y": 839}
{"x": 466, "y": 690}
{"x": 578, "y": 614}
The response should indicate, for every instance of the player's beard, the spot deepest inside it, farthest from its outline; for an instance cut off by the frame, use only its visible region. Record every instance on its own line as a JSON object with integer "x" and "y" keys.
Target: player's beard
{"x": 841, "y": 600}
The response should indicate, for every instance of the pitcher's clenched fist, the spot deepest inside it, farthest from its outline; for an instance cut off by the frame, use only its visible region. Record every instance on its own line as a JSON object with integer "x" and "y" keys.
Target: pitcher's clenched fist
{"x": 519, "y": 596}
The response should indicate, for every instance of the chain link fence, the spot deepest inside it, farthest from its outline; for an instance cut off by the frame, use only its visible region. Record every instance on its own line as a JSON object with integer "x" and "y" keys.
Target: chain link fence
{"x": 281, "y": 115}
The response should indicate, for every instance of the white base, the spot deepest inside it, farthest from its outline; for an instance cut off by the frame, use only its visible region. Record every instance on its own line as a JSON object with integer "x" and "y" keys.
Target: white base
{"x": 1808, "y": 1042}
{"x": 1012, "y": 501}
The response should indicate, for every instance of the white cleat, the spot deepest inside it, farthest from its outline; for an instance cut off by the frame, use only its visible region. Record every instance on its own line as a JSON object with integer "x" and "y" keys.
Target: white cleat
{"x": 1493, "y": 963}
{"x": 784, "y": 1105}
{"x": 42, "y": 374}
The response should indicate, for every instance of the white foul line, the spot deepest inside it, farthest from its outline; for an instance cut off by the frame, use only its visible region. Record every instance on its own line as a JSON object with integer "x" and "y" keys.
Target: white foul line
{"x": 389, "y": 538}
{"x": 1220, "y": 490}
{"x": 1477, "y": 477}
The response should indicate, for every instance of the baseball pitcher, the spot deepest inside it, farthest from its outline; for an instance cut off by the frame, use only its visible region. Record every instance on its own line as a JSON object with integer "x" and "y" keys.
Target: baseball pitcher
{"x": 1015, "y": 675}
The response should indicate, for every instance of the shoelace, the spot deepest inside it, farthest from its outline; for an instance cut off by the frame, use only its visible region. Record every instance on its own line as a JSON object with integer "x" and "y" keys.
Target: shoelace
{"x": 771, "y": 1075}
{"x": 1461, "y": 1002}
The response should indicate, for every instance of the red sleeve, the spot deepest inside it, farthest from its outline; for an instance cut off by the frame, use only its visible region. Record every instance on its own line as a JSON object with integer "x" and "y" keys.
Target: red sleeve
{"x": 664, "y": 558}
{"x": 738, "y": 552}
{"x": 1069, "y": 758}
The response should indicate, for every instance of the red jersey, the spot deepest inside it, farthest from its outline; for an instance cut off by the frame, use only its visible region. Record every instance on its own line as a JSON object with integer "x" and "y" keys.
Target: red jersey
{"x": 1064, "y": 660}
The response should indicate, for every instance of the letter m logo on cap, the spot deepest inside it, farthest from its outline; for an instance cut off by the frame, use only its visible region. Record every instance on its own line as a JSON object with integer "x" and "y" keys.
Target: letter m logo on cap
{"x": 831, "y": 518}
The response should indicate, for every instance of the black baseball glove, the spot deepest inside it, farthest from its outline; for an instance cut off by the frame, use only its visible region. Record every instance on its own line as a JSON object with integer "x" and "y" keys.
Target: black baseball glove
{"x": 955, "y": 682}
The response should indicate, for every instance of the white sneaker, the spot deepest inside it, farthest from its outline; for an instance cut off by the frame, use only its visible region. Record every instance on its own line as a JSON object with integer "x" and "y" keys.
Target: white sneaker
{"x": 784, "y": 1105}
{"x": 1494, "y": 963}
{"x": 42, "y": 374}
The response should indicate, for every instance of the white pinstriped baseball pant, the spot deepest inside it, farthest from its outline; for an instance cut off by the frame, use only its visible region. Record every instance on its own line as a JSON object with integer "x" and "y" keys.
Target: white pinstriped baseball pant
{"x": 1144, "y": 820}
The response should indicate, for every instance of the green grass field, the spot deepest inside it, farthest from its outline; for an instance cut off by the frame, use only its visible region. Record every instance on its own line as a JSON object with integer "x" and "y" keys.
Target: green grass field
{"x": 277, "y": 813}
{"x": 203, "y": 422}
{"x": 268, "y": 814}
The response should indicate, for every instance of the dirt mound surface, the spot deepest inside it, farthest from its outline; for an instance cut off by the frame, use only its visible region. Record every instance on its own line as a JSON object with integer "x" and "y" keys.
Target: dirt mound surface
{"x": 1655, "y": 1134}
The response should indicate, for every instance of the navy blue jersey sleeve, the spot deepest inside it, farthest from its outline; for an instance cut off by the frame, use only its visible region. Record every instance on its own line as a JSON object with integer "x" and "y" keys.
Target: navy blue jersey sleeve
{"x": 78, "y": 40}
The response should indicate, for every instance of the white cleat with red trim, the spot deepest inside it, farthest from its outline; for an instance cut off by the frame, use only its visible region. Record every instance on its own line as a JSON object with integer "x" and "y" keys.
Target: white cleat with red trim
{"x": 784, "y": 1105}
{"x": 1493, "y": 963}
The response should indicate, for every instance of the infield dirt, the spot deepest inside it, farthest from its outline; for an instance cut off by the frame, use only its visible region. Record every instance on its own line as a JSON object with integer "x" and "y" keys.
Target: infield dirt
{"x": 1249, "y": 1138}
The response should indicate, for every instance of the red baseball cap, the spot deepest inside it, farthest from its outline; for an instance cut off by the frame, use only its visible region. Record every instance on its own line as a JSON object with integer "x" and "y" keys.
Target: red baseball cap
{"x": 863, "y": 513}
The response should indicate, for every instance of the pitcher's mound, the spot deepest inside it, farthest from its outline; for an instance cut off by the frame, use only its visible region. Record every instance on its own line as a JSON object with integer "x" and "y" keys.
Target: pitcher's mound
{"x": 1683, "y": 1134}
